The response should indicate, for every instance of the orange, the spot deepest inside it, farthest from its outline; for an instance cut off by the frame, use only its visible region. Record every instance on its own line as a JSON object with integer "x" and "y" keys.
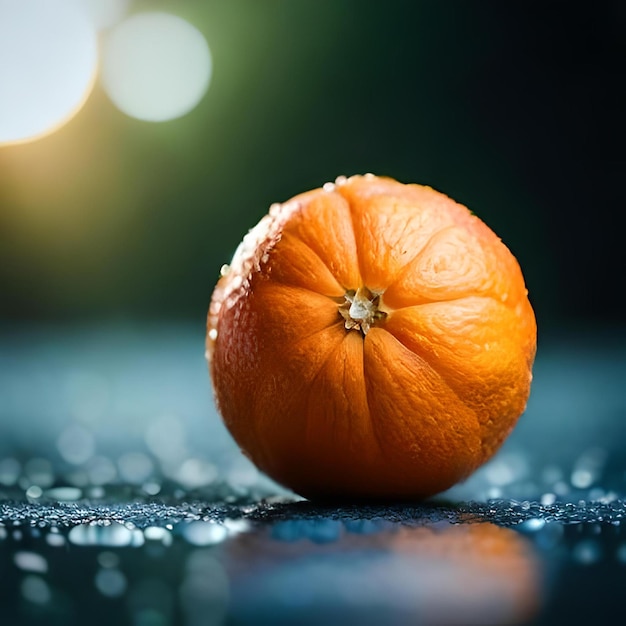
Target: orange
{"x": 370, "y": 340}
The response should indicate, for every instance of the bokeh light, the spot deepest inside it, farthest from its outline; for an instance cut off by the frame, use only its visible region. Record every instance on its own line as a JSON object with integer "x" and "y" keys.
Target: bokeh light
{"x": 155, "y": 66}
{"x": 48, "y": 61}
{"x": 105, "y": 13}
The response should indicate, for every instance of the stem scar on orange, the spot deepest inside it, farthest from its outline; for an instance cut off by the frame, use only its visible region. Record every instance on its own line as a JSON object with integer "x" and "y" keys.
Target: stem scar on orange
{"x": 370, "y": 340}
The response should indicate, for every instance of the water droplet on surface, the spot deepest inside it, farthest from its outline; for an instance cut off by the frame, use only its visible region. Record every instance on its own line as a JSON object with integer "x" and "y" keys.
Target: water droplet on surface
{"x": 532, "y": 525}
{"x": 494, "y": 493}
{"x": 274, "y": 209}
{"x": 110, "y": 582}
{"x": 66, "y": 494}
{"x": 204, "y": 533}
{"x": 236, "y": 526}
{"x": 30, "y": 562}
{"x": 581, "y": 478}
{"x": 34, "y": 492}
{"x": 152, "y": 488}
{"x": 55, "y": 540}
{"x": 157, "y": 533}
{"x": 36, "y": 590}
{"x": 587, "y": 552}
{"x": 114, "y": 535}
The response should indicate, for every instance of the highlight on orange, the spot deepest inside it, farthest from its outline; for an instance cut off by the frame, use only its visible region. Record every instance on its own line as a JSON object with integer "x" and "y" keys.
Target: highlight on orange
{"x": 371, "y": 340}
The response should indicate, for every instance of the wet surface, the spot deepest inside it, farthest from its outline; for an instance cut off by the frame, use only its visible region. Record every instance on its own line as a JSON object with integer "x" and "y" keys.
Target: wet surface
{"x": 275, "y": 561}
{"x": 123, "y": 500}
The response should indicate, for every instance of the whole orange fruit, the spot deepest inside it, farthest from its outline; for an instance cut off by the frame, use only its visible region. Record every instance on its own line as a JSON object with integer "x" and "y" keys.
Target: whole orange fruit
{"x": 370, "y": 340}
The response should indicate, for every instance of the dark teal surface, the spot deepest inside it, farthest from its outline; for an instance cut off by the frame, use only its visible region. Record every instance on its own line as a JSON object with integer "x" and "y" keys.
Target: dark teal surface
{"x": 163, "y": 521}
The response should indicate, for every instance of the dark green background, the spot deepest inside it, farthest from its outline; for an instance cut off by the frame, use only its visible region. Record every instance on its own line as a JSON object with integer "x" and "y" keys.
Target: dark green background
{"x": 515, "y": 109}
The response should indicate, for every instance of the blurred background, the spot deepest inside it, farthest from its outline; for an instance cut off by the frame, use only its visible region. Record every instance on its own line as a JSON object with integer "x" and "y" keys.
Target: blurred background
{"x": 515, "y": 109}
{"x": 141, "y": 139}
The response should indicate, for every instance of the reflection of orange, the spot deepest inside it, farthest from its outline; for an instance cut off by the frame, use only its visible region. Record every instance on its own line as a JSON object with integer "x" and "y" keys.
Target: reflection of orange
{"x": 371, "y": 339}
{"x": 476, "y": 573}
{"x": 495, "y": 569}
